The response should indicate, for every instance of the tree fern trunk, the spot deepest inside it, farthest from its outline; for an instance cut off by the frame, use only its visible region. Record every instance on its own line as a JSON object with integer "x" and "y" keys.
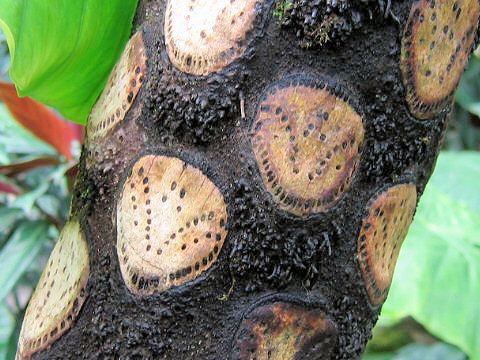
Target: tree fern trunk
{"x": 249, "y": 175}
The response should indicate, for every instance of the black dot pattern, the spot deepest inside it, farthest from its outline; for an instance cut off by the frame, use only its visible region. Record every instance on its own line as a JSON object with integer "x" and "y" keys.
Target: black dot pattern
{"x": 171, "y": 224}
{"x": 197, "y": 46}
{"x": 437, "y": 41}
{"x": 59, "y": 294}
{"x": 121, "y": 89}
{"x": 307, "y": 141}
{"x": 383, "y": 231}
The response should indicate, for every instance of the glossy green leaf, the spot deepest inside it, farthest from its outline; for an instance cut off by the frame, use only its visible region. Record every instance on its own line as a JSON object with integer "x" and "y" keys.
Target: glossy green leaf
{"x": 20, "y": 250}
{"x": 437, "y": 279}
{"x": 62, "y": 51}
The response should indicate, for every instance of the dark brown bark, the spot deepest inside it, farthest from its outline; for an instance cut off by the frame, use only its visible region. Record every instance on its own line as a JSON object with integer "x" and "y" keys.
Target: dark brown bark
{"x": 288, "y": 268}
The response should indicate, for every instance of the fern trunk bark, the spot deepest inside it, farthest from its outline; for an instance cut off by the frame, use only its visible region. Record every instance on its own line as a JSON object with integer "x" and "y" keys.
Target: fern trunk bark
{"x": 250, "y": 172}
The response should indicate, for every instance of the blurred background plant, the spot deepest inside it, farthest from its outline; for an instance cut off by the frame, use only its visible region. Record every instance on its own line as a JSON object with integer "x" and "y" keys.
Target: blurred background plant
{"x": 432, "y": 312}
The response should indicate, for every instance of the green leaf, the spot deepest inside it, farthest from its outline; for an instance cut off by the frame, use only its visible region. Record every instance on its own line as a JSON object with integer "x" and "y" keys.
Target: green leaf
{"x": 462, "y": 133}
{"x": 383, "y": 356}
{"x": 457, "y": 175}
{"x": 27, "y": 200}
{"x": 390, "y": 338}
{"x": 438, "y": 351}
{"x": 50, "y": 205}
{"x": 16, "y": 139}
{"x": 11, "y": 348}
{"x": 62, "y": 51}
{"x": 7, "y": 325}
{"x": 8, "y": 216}
{"x": 20, "y": 250}
{"x": 437, "y": 279}
{"x": 468, "y": 92}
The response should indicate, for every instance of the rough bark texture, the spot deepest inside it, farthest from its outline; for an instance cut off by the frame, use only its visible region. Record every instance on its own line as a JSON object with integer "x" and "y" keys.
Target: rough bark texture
{"x": 297, "y": 277}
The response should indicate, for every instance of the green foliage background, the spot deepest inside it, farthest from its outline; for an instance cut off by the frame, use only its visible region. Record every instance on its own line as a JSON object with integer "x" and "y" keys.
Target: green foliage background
{"x": 62, "y": 50}
{"x": 29, "y": 225}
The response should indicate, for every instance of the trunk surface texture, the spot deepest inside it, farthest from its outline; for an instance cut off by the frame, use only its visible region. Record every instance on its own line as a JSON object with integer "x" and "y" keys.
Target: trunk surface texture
{"x": 249, "y": 175}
